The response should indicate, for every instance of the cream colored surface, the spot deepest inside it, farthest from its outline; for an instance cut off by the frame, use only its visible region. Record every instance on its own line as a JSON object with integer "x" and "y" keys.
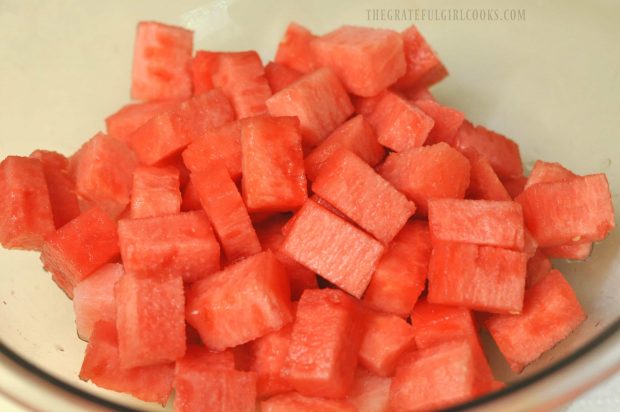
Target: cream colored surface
{"x": 552, "y": 82}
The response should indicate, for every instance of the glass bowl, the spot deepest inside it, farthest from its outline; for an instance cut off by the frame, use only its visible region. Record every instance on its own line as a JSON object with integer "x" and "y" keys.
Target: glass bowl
{"x": 545, "y": 74}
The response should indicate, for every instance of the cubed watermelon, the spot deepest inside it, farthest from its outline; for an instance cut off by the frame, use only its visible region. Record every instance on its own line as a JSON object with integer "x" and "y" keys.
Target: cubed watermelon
{"x": 485, "y": 278}
{"x": 80, "y": 247}
{"x": 93, "y": 299}
{"x": 155, "y": 192}
{"x": 268, "y": 357}
{"x": 356, "y": 135}
{"x": 129, "y": 118}
{"x": 102, "y": 366}
{"x": 400, "y": 125}
{"x": 294, "y": 49}
{"x": 580, "y": 251}
{"x": 241, "y": 303}
{"x": 430, "y": 172}
{"x": 149, "y": 319}
{"x": 272, "y": 164}
{"x": 191, "y": 200}
{"x": 447, "y": 120}
{"x": 370, "y": 393}
{"x": 279, "y": 76}
{"x": 551, "y": 312}
{"x": 181, "y": 245}
{"x": 367, "y": 60}
{"x": 224, "y": 206}
{"x": 400, "y": 276}
{"x": 326, "y": 337}
{"x": 25, "y": 208}
{"x": 366, "y": 105}
{"x": 204, "y": 66}
{"x": 320, "y": 102}
{"x": 294, "y": 402}
{"x": 483, "y": 181}
{"x": 419, "y": 94}
{"x": 515, "y": 186}
{"x": 537, "y": 267}
{"x": 333, "y": 248}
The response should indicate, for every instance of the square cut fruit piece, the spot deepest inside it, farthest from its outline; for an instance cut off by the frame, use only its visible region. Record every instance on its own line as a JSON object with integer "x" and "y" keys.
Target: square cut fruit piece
{"x": 204, "y": 66}
{"x": 537, "y": 267}
{"x": 551, "y": 312}
{"x": 268, "y": 357}
{"x": 482, "y": 222}
{"x": 272, "y": 164}
{"x": 353, "y": 187}
{"x": 429, "y": 172}
{"x": 483, "y": 278}
{"x": 155, "y": 192}
{"x": 129, "y": 118}
{"x": 149, "y": 320}
{"x": 326, "y": 337}
{"x": 241, "y": 303}
{"x": 484, "y": 183}
{"x": 161, "y": 62}
{"x": 102, "y": 366}
{"x": 294, "y": 49}
{"x": 279, "y": 76}
{"x": 80, "y": 247}
{"x": 370, "y": 393}
{"x": 293, "y": 401}
{"x": 25, "y": 207}
{"x": 400, "y": 276}
{"x": 367, "y": 60}
{"x": 320, "y": 102}
{"x": 335, "y": 249}
{"x": 447, "y": 120}
{"x": 400, "y": 125}
{"x": 182, "y": 245}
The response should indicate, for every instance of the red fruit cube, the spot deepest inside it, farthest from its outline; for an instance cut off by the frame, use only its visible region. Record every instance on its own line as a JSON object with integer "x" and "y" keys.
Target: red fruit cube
{"x": 51, "y": 159}
{"x": 181, "y": 245}
{"x": 279, "y": 76}
{"x": 204, "y": 66}
{"x": 241, "y": 77}
{"x": 578, "y": 210}
{"x": 400, "y": 276}
{"x": 161, "y": 62}
{"x": 268, "y": 357}
{"x": 417, "y": 95}
{"x": 484, "y": 278}
{"x": 272, "y": 164}
{"x": 155, "y": 192}
{"x": 325, "y": 341}
{"x": 423, "y": 67}
{"x": 482, "y": 222}
{"x": 103, "y": 173}
{"x": 102, "y": 366}
{"x": 293, "y": 401}
{"x": 544, "y": 172}
{"x": 320, "y": 102}
{"x": 366, "y": 105}
{"x": 227, "y": 212}
{"x": 551, "y": 312}
{"x": 354, "y": 188}
{"x": 198, "y": 358}
{"x": 366, "y": 60}
{"x": 257, "y": 301}
{"x": 430, "y": 172}
{"x": 80, "y": 247}
{"x": 333, "y": 248}
{"x": 484, "y": 183}
{"x": 25, "y": 208}
{"x": 129, "y": 118}
{"x": 537, "y": 267}
{"x": 580, "y": 251}
{"x": 149, "y": 319}
{"x": 356, "y": 135}
{"x": 515, "y": 186}
{"x": 294, "y": 49}
{"x": 447, "y": 120}
{"x": 400, "y": 125}
{"x": 191, "y": 200}
{"x": 386, "y": 337}
{"x": 370, "y": 393}
{"x": 93, "y": 299}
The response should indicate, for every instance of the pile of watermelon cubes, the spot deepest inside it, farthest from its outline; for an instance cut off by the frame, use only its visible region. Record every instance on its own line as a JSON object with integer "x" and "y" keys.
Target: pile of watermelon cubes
{"x": 316, "y": 234}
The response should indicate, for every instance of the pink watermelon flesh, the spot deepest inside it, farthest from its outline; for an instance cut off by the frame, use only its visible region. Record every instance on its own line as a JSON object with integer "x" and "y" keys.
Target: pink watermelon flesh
{"x": 293, "y": 401}
{"x": 294, "y": 49}
{"x": 129, "y": 118}
{"x": 155, "y": 192}
{"x": 204, "y": 66}
{"x": 279, "y": 76}
{"x": 447, "y": 120}
{"x": 370, "y": 393}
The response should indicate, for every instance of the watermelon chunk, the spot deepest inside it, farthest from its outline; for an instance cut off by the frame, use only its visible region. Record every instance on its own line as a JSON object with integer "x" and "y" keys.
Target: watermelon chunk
{"x": 537, "y": 267}
{"x": 204, "y": 66}
{"x": 104, "y": 173}
{"x": 447, "y": 120}
{"x": 102, "y": 366}
{"x": 366, "y": 105}
{"x": 149, "y": 320}
{"x": 366, "y": 60}
{"x": 241, "y": 77}
{"x": 483, "y": 222}
{"x": 161, "y": 62}
{"x": 268, "y": 357}
{"x": 129, "y": 118}
{"x": 400, "y": 125}
{"x": 420, "y": 94}
{"x": 484, "y": 278}
{"x": 333, "y": 248}
{"x": 224, "y": 206}
{"x": 80, "y": 247}
{"x": 580, "y": 251}
{"x": 567, "y": 212}
{"x": 272, "y": 164}
{"x": 155, "y": 192}
{"x": 551, "y": 312}
{"x": 400, "y": 276}
{"x": 294, "y": 50}
{"x": 370, "y": 393}
{"x": 191, "y": 200}
{"x": 386, "y": 337}
{"x": 356, "y": 135}
{"x": 484, "y": 183}
{"x": 515, "y": 186}
{"x": 257, "y": 301}
{"x": 326, "y": 337}
{"x": 279, "y": 76}
{"x": 423, "y": 67}
{"x": 320, "y": 102}
{"x": 25, "y": 207}
{"x": 354, "y": 188}
{"x": 293, "y": 401}
{"x": 430, "y": 172}
{"x": 178, "y": 245}
{"x": 93, "y": 299}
